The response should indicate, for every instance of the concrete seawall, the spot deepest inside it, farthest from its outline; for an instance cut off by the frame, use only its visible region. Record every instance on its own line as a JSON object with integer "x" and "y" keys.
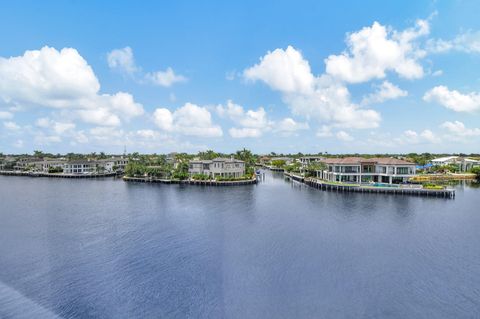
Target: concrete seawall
{"x": 56, "y": 175}
{"x": 326, "y": 186}
{"x": 190, "y": 182}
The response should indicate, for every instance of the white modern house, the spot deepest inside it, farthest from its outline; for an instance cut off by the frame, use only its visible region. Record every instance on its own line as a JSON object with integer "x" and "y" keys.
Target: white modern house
{"x": 113, "y": 164}
{"x": 218, "y": 167}
{"x": 365, "y": 170}
{"x": 463, "y": 163}
{"x": 80, "y": 167}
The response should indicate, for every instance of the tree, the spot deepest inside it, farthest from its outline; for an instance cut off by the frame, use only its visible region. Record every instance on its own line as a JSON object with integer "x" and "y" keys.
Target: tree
{"x": 208, "y": 155}
{"x": 278, "y": 163}
{"x": 181, "y": 172}
{"x": 476, "y": 170}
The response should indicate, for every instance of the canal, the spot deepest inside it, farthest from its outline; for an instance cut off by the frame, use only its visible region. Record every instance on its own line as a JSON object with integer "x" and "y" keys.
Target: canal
{"x": 104, "y": 248}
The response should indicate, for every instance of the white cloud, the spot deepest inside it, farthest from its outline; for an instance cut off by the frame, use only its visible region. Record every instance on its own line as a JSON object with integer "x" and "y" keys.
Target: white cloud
{"x": 62, "y": 80}
{"x": 57, "y": 127}
{"x": 18, "y": 144}
{"x": 375, "y": 50}
{"x": 458, "y": 129}
{"x": 453, "y": 99}
{"x": 468, "y": 42}
{"x": 42, "y": 139}
{"x": 190, "y": 119}
{"x": 412, "y": 137}
{"x": 244, "y": 132}
{"x": 12, "y": 126}
{"x": 165, "y": 78}
{"x": 437, "y": 73}
{"x": 322, "y": 98}
{"x": 344, "y": 136}
{"x": 252, "y": 122}
{"x": 4, "y": 115}
{"x": 385, "y": 91}
{"x": 122, "y": 59}
{"x": 290, "y": 125}
{"x": 324, "y": 131}
{"x": 283, "y": 70}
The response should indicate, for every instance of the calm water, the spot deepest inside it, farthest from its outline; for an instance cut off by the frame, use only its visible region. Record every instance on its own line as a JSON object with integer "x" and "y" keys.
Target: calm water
{"x": 108, "y": 249}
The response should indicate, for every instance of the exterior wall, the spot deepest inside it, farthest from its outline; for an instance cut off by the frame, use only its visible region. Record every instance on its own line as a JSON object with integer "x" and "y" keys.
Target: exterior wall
{"x": 379, "y": 173}
{"x": 79, "y": 168}
{"x": 217, "y": 168}
{"x": 45, "y": 165}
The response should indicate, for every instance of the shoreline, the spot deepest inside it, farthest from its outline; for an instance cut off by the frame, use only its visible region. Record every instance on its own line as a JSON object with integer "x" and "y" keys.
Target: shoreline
{"x": 329, "y": 186}
{"x": 56, "y": 175}
{"x": 189, "y": 182}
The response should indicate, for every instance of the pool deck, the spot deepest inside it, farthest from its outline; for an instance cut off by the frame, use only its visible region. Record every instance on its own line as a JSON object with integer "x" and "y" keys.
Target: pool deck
{"x": 329, "y": 186}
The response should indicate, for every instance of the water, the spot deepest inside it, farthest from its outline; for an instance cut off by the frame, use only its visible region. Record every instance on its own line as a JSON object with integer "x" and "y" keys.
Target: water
{"x": 110, "y": 249}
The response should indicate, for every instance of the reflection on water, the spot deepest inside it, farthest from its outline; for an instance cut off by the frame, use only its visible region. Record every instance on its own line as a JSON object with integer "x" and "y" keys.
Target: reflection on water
{"x": 109, "y": 249}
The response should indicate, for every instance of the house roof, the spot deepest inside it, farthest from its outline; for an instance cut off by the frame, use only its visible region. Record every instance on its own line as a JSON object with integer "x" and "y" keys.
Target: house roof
{"x": 445, "y": 159}
{"x": 374, "y": 160}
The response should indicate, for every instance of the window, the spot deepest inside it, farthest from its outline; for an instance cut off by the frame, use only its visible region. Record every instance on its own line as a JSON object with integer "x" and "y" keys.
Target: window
{"x": 402, "y": 170}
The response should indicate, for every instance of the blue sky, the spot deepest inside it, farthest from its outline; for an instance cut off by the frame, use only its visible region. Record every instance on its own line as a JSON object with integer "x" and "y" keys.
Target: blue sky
{"x": 344, "y": 76}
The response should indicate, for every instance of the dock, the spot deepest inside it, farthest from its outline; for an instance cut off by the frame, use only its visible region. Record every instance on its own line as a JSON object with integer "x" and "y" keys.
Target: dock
{"x": 190, "y": 182}
{"x": 56, "y": 175}
{"x": 328, "y": 186}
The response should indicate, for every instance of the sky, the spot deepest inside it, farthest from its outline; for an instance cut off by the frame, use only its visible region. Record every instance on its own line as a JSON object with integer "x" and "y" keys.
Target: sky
{"x": 270, "y": 76}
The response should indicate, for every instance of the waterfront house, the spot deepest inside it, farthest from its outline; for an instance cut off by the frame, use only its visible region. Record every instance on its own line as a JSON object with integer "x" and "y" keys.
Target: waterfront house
{"x": 46, "y": 164}
{"x": 463, "y": 163}
{"x": 218, "y": 167}
{"x": 364, "y": 170}
{"x": 307, "y": 160}
{"x": 24, "y": 163}
{"x": 113, "y": 164}
{"x": 85, "y": 166}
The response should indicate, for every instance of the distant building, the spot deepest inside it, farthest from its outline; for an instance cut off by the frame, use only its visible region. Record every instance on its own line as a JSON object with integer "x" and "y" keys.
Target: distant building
{"x": 23, "y": 163}
{"x": 463, "y": 163}
{"x": 45, "y": 165}
{"x": 364, "y": 170}
{"x": 113, "y": 164}
{"x": 218, "y": 167}
{"x": 80, "y": 167}
{"x": 307, "y": 160}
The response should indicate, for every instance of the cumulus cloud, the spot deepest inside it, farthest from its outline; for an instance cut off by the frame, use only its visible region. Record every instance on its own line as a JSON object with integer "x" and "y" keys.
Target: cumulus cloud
{"x": 283, "y": 70}
{"x": 250, "y": 123}
{"x": 4, "y": 115}
{"x": 383, "y": 92}
{"x": 453, "y": 99}
{"x": 322, "y": 98}
{"x": 57, "y": 127}
{"x": 344, "y": 136}
{"x": 122, "y": 60}
{"x": 324, "y": 131}
{"x": 62, "y": 80}
{"x": 458, "y": 129}
{"x": 375, "y": 50}
{"x": 165, "y": 78}
{"x": 189, "y": 119}
{"x": 412, "y": 137}
{"x": 244, "y": 132}
{"x": 468, "y": 42}
{"x": 253, "y": 123}
{"x": 10, "y": 125}
{"x": 290, "y": 125}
